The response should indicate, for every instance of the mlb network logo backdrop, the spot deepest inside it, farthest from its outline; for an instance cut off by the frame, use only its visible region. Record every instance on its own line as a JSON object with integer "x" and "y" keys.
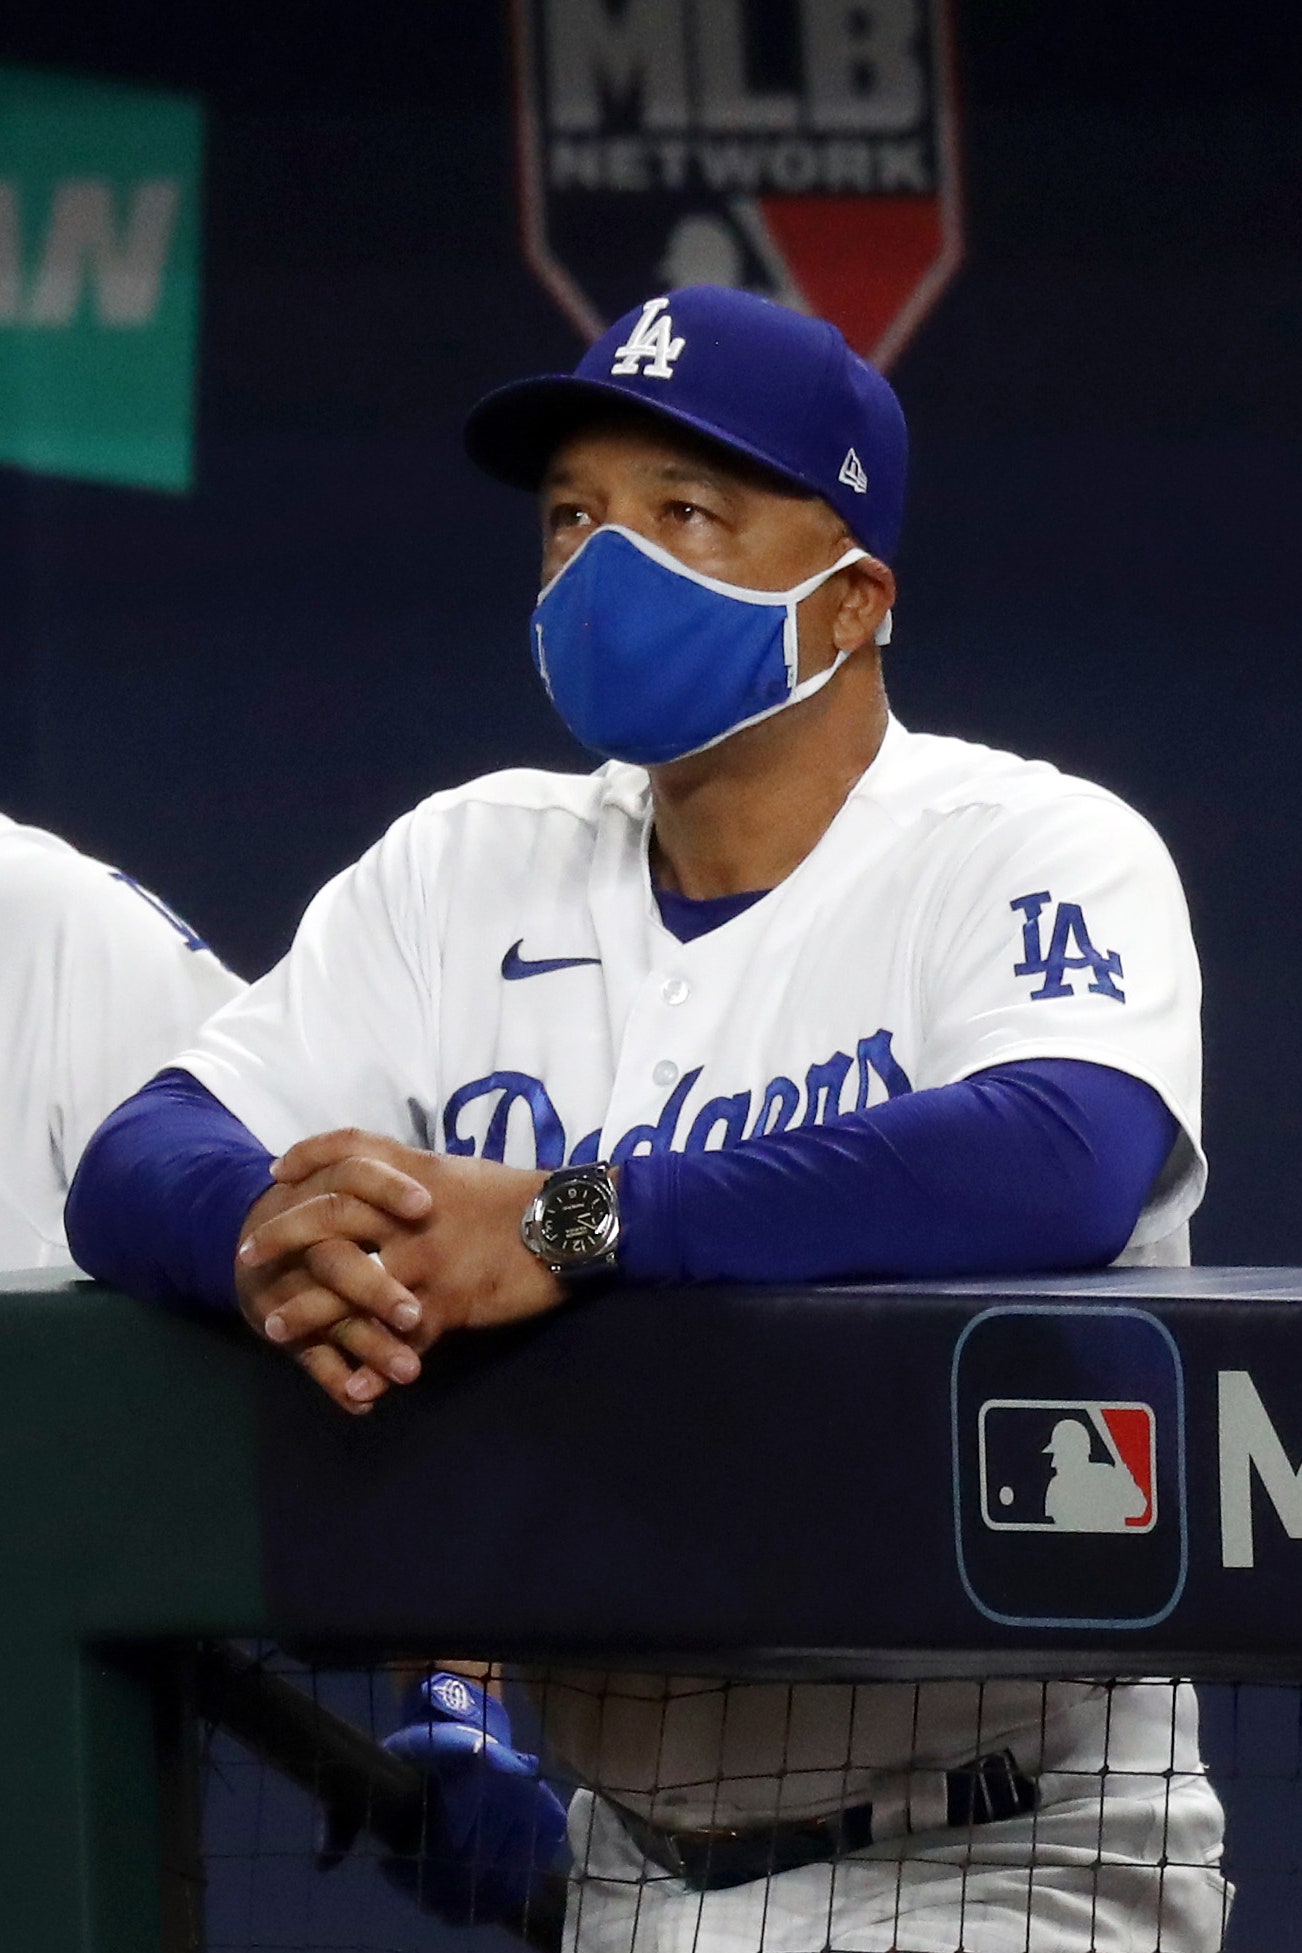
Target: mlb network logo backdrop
{"x": 1069, "y": 1498}
{"x": 99, "y": 275}
{"x": 801, "y": 148}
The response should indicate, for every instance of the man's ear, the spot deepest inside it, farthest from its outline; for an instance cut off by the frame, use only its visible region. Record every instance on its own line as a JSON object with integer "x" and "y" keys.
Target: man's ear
{"x": 868, "y": 591}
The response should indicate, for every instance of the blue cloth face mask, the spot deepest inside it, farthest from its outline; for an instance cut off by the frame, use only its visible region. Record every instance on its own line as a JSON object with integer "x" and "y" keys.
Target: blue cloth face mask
{"x": 646, "y": 660}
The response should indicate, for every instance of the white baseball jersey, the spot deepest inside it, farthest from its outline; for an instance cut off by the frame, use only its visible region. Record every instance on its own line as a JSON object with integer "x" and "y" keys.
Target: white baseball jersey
{"x": 494, "y": 978}
{"x": 98, "y": 986}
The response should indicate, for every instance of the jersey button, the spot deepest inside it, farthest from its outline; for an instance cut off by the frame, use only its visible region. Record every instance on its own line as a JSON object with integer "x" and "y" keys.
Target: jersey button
{"x": 665, "y": 1073}
{"x": 676, "y": 990}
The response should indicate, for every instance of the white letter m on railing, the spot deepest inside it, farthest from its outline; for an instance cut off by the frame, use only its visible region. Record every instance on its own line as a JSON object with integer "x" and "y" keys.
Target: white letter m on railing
{"x": 1248, "y": 1438}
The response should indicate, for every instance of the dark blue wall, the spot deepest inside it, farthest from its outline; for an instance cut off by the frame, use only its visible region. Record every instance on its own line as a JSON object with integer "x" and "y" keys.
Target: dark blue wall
{"x": 233, "y": 692}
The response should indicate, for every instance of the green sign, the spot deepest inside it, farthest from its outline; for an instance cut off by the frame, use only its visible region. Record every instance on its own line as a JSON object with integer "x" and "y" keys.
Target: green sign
{"x": 99, "y": 279}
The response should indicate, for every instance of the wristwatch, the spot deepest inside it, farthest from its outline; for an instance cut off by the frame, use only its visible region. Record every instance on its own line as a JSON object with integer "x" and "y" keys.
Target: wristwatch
{"x": 572, "y": 1222}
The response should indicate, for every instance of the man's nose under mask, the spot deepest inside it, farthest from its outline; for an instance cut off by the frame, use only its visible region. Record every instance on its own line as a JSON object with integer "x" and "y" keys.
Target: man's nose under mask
{"x": 648, "y": 661}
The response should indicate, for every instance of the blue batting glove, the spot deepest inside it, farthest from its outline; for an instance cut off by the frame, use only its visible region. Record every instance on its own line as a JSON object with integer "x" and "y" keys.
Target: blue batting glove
{"x": 493, "y": 1828}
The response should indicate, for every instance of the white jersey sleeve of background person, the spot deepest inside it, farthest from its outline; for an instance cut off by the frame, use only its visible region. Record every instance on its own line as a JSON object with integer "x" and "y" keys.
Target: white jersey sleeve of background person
{"x": 493, "y": 977}
{"x": 99, "y": 984}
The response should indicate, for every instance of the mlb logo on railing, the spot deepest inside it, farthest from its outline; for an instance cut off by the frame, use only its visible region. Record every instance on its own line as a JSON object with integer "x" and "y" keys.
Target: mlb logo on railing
{"x": 1067, "y": 1464}
{"x": 1069, "y": 1494}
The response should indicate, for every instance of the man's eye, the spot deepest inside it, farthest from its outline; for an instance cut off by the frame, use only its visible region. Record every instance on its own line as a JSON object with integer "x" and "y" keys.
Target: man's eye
{"x": 685, "y": 511}
{"x": 567, "y": 515}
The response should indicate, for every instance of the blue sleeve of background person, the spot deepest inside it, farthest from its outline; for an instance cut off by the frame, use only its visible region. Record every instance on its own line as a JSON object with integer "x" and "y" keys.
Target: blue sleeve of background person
{"x": 1033, "y": 1166}
{"x": 162, "y": 1192}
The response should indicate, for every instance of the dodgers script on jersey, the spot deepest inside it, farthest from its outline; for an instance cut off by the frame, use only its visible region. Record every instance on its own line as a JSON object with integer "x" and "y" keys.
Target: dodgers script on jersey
{"x": 99, "y": 983}
{"x": 493, "y": 978}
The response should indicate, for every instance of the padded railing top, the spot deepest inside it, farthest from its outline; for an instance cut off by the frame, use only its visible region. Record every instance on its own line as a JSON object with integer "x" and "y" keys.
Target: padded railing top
{"x": 1085, "y": 1472}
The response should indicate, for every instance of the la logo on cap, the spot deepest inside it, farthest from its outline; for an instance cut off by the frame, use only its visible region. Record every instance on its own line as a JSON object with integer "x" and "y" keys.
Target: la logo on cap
{"x": 650, "y": 346}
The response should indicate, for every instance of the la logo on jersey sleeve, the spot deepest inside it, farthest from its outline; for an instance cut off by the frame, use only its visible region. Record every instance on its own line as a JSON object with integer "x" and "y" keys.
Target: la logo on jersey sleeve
{"x": 1069, "y": 948}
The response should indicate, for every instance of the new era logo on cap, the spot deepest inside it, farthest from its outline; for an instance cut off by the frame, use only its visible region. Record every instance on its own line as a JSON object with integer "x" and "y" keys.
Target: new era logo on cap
{"x": 852, "y": 473}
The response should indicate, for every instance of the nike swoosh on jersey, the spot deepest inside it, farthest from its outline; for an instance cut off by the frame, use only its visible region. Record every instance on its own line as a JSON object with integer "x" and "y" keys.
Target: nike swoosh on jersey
{"x": 515, "y": 966}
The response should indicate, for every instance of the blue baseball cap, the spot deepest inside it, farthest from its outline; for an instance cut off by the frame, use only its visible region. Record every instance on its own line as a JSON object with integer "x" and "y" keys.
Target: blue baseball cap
{"x": 774, "y": 385}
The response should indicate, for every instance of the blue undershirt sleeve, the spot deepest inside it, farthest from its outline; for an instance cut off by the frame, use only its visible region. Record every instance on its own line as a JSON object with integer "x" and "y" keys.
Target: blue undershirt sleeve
{"x": 161, "y": 1194}
{"x": 1037, "y": 1166}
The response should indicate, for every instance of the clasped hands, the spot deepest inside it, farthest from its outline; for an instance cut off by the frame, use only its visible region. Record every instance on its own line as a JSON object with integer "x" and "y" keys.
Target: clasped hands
{"x": 366, "y": 1251}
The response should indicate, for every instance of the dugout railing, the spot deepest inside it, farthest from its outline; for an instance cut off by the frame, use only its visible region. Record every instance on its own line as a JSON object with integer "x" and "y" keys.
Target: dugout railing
{"x": 833, "y": 1482}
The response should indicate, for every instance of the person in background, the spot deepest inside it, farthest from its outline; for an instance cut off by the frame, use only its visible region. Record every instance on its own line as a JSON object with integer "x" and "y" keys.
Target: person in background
{"x": 99, "y": 984}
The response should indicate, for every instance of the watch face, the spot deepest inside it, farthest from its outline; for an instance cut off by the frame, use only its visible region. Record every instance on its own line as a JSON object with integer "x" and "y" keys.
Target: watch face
{"x": 576, "y": 1221}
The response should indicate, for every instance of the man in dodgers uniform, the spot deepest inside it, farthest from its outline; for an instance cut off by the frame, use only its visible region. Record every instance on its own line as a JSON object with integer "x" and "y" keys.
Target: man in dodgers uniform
{"x": 99, "y": 983}
{"x": 781, "y": 991}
